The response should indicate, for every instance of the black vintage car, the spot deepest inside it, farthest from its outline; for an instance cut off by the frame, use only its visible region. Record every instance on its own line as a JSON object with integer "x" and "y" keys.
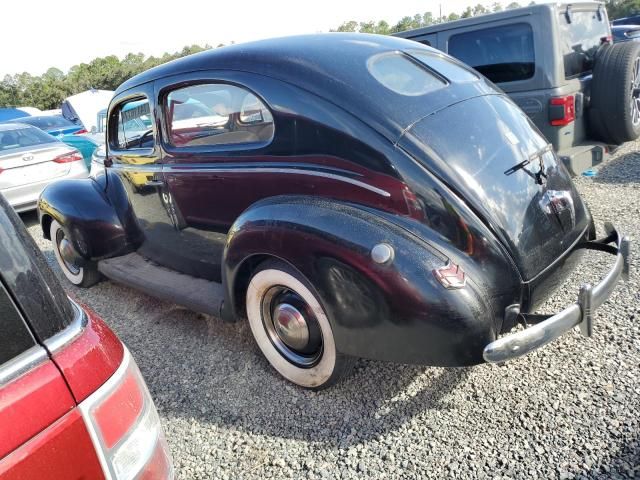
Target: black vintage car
{"x": 350, "y": 195}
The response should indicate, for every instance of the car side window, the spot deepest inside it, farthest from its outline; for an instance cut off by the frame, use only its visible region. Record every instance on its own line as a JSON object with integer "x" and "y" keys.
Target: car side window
{"x": 135, "y": 125}
{"x": 15, "y": 337}
{"x": 217, "y": 114}
{"x": 502, "y": 54}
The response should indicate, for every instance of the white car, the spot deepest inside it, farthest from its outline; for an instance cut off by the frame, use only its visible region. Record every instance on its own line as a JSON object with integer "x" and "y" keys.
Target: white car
{"x": 30, "y": 159}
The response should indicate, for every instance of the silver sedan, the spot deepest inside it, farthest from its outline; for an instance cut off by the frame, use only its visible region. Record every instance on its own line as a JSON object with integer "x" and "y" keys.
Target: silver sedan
{"x": 30, "y": 159}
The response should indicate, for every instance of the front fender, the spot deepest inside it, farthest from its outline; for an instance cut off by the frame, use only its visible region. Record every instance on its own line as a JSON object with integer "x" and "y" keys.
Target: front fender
{"x": 87, "y": 215}
{"x": 395, "y": 312}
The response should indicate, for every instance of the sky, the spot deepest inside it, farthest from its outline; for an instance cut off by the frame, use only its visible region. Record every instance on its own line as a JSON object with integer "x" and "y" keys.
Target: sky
{"x": 64, "y": 33}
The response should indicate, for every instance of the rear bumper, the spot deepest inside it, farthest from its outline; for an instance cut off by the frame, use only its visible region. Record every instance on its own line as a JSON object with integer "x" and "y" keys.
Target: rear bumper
{"x": 580, "y": 313}
{"x": 583, "y": 157}
{"x": 25, "y": 197}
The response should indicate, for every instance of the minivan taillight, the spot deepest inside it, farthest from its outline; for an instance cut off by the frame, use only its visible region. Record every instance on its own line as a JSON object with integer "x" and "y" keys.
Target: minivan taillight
{"x": 562, "y": 110}
{"x": 68, "y": 157}
{"x": 125, "y": 427}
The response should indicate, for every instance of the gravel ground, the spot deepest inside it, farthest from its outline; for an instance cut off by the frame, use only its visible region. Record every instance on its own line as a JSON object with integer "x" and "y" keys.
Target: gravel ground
{"x": 567, "y": 411}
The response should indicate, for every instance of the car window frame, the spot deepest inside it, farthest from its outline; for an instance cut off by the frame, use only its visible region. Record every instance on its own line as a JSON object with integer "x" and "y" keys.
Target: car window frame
{"x": 144, "y": 91}
{"x": 163, "y": 87}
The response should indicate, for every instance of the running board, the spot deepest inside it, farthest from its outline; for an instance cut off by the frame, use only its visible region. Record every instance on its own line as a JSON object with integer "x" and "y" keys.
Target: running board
{"x": 137, "y": 272}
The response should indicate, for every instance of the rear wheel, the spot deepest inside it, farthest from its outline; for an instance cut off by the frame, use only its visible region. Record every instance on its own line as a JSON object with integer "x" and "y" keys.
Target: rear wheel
{"x": 68, "y": 259}
{"x": 615, "y": 93}
{"x": 292, "y": 329}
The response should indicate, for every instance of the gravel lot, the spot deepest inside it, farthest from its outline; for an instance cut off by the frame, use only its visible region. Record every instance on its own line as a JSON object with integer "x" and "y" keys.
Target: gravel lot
{"x": 568, "y": 411}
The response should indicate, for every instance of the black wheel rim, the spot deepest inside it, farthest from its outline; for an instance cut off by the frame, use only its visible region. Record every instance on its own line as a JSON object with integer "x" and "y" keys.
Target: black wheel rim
{"x": 292, "y": 327}
{"x": 64, "y": 249}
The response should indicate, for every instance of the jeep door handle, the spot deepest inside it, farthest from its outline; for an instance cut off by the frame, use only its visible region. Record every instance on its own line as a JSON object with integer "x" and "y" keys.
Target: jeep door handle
{"x": 154, "y": 183}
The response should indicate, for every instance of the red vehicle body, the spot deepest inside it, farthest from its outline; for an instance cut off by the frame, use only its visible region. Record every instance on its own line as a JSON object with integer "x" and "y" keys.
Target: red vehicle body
{"x": 72, "y": 401}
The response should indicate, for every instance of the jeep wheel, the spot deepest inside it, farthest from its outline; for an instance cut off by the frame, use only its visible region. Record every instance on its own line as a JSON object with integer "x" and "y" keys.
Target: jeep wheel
{"x": 615, "y": 93}
{"x": 292, "y": 329}
{"x": 81, "y": 276}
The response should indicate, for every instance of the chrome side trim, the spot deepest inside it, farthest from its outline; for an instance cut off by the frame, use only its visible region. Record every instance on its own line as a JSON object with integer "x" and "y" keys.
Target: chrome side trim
{"x": 70, "y": 332}
{"x": 22, "y": 363}
{"x": 295, "y": 171}
{"x": 580, "y": 313}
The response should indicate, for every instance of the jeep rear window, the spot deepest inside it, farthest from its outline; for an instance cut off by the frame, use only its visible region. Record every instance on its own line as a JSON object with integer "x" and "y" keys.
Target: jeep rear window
{"x": 400, "y": 74}
{"x": 502, "y": 54}
{"x": 581, "y": 34}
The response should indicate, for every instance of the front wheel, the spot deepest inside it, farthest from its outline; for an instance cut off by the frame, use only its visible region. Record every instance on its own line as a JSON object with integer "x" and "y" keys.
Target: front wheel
{"x": 292, "y": 329}
{"x": 81, "y": 276}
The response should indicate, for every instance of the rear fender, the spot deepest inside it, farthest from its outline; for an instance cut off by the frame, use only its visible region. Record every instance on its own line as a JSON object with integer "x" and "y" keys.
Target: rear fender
{"x": 396, "y": 311}
{"x": 90, "y": 218}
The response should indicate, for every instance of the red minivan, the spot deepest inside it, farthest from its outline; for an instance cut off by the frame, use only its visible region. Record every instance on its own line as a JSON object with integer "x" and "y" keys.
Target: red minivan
{"x": 73, "y": 404}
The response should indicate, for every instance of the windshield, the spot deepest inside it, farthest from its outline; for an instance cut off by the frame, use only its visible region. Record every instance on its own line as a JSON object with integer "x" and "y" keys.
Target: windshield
{"x": 48, "y": 122}
{"x": 581, "y": 34}
{"x": 23, "y": 137}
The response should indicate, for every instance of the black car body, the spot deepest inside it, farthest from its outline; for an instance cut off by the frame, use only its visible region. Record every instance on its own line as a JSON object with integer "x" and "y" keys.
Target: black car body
{"x": 356, "y": 195}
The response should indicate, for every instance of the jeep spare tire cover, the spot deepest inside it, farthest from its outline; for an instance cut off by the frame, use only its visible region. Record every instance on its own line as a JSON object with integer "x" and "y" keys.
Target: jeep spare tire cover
{"x": 614, "y": 115}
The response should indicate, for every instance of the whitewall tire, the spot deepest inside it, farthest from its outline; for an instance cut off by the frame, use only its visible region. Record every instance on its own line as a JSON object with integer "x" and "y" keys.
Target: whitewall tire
{"x": 291, "y": 327}
{"x": 81, "y": 276}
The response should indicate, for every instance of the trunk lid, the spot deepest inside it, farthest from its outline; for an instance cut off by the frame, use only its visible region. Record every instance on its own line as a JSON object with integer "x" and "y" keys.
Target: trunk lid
{"x": 22, "y": 166}
{"x": 488, "y": 152}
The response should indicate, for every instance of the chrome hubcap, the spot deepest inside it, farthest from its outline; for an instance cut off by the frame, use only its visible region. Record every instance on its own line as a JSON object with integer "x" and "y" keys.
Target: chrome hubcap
{"x": 292, "y": 327}
{"x": 635, "y": 93}
{"x": 68, "y": 254}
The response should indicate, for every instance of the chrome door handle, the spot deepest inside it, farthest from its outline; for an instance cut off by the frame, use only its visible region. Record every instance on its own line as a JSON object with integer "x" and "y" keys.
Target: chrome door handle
{"x": 154, "y": 183}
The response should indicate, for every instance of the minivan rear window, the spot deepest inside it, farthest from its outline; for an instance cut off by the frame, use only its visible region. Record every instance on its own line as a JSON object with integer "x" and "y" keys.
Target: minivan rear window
{"x": 502, "y": 54}
{"x": 581, "y": 34}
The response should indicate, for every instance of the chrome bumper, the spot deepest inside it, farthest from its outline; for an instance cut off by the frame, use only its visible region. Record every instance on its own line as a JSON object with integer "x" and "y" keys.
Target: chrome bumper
{"x": 580, "y": 313}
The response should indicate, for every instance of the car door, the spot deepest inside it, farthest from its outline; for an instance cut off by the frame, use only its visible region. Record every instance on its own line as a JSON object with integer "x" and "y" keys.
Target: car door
{"x": 213, "y": 135}
{"x": 133, "y": 164}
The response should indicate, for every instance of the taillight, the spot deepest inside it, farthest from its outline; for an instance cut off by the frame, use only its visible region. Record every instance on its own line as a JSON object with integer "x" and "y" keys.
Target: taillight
{"x": 79, "y": 132}
{"x": 68, "y": 157}
{"x": 562, "y": 110}
{"x": 125, "y": 427}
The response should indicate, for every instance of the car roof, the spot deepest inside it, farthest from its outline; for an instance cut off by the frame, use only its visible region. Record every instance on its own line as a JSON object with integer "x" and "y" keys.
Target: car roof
{"x": 295, "y": 54}
{"x": 4, "y": 127}
{"x": 331, "y": 66}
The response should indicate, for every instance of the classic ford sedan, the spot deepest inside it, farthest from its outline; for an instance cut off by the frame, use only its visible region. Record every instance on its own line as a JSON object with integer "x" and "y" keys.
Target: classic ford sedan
{"x": 349, "y": 195}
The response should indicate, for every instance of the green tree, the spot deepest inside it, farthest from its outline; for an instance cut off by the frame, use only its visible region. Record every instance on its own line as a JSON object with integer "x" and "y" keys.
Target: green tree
{"x": 622, "y": 8}
{"x": 513, "y": 5}
{"x": 496, "y": 7}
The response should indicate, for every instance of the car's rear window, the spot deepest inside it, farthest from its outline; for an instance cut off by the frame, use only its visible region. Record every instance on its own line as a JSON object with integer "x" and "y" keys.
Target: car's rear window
{"x": 23, "y": 137}
{"x": 446, "y": 67}
{"x": 48, "y": 122}
{"x": 581, "y": 34}
{"x": 401, "y": 74}
{"x": 502, "y": 54}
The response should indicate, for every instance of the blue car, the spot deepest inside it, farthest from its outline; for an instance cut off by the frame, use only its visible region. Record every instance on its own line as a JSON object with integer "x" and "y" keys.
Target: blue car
{"x": 67, "y": 131}
{"x": 54, "y": 125}
{"x": 11, "y": 113}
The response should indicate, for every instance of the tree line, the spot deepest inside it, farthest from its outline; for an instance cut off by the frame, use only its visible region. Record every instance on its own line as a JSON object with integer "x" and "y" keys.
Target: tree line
{"x": 47, "y": 91}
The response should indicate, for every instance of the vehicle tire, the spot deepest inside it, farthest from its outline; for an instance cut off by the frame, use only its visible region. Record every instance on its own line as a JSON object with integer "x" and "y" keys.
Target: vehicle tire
{"x": 291, "y": 327}
{"x": 614, "y": 114}
{"x": 84, "y": 276}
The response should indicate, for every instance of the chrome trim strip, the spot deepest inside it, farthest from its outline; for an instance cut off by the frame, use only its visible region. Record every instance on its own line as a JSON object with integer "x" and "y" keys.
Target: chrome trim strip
{"x": 70, "y": 332}
{"x": 296, "y": 171}
{"x": 581, "y": 313}
{"x": 22, "y": 363}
